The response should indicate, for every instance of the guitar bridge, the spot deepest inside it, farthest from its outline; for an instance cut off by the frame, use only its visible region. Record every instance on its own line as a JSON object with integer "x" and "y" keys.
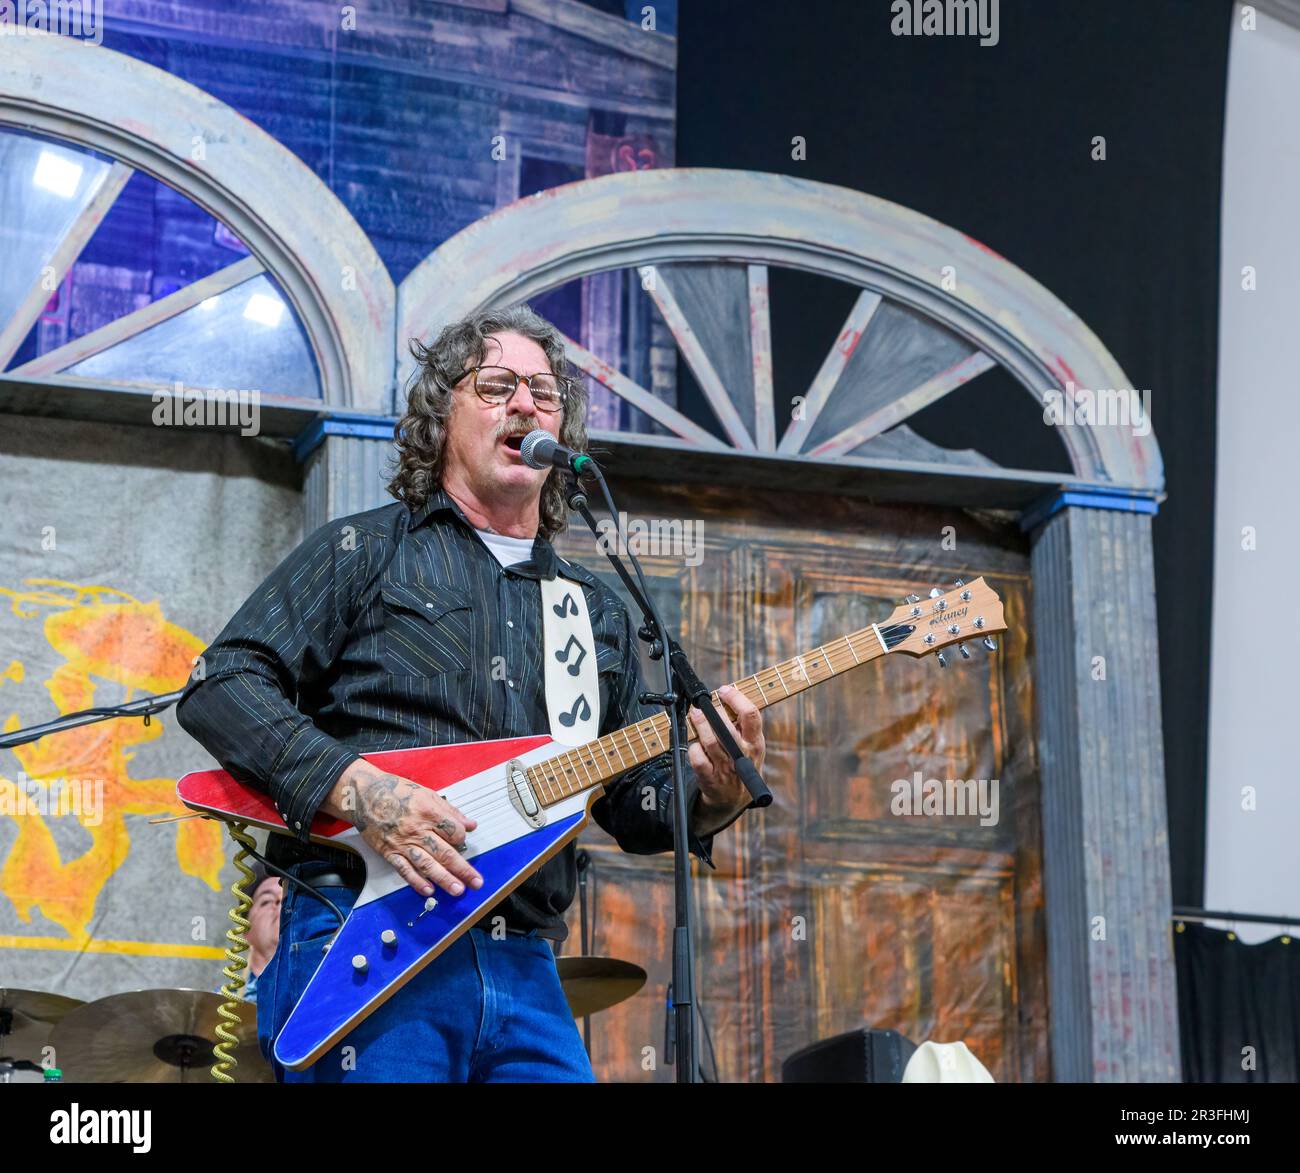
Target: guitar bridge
{"x": 522, "y": 796}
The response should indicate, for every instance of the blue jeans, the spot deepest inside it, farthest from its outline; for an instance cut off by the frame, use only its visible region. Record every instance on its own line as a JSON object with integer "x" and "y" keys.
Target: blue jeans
{"x": 484, "y": 1010}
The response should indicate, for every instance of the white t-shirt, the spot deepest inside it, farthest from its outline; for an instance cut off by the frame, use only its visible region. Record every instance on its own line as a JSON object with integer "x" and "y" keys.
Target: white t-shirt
{"x": 508, "y": 551}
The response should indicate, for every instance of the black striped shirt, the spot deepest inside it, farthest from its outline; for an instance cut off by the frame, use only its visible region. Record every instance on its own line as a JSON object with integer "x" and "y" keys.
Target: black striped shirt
{"x": 390, "y": 630}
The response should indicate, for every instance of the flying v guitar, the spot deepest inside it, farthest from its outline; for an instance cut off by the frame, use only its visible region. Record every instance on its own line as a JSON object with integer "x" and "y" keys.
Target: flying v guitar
{"x": 530, "y": 796}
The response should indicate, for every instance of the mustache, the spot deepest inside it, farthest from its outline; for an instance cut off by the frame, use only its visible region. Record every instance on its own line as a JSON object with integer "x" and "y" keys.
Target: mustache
{"x": 516, "y": 427}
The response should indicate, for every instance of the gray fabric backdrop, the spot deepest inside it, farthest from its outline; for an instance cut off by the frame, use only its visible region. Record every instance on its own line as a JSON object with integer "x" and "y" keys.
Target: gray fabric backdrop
{"x": 149, "y": 538}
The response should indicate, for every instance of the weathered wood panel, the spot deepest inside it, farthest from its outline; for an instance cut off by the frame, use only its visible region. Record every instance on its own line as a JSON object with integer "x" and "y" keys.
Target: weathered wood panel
{"x": 827, "y": 910}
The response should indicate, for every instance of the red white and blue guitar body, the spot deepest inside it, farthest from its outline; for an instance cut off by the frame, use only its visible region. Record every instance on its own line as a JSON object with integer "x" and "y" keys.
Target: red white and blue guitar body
{"x": 392, "y": 931}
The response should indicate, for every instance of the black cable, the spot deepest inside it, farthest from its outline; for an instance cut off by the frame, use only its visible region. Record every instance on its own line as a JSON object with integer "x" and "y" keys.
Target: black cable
{"x": 591, "y": 933}
{"x": 306, "y": 887}
{"x": 708, "y": 1037}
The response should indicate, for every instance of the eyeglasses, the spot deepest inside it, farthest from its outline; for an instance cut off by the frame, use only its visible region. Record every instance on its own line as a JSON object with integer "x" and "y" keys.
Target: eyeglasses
{"x": 498, "y": 385}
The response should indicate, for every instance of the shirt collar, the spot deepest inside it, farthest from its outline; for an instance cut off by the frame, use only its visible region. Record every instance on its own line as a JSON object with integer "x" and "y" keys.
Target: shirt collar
{"x": 545, "y": 563}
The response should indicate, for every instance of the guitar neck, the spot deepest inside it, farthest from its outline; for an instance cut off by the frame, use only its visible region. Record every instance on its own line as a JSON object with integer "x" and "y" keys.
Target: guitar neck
{"x": 599, "y": 762}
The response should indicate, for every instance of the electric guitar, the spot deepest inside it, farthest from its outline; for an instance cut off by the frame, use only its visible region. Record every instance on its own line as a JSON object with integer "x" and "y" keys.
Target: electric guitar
{"x": 530, "y": 796}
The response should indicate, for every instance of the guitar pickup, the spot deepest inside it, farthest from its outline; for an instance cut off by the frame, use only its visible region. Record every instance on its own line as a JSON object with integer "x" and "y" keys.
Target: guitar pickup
{"x": 522, "y": 796}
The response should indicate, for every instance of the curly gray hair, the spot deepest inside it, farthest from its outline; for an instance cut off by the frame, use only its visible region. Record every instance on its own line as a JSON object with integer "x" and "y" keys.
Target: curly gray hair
{"x": 421, "y": 433}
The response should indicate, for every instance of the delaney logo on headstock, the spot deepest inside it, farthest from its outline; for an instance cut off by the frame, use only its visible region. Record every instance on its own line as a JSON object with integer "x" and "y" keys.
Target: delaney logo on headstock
{"x": 963, "y": 612}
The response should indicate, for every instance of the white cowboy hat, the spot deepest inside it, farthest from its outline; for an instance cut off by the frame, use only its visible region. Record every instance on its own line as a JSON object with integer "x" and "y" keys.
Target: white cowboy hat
{"x": 945, "y": 1063}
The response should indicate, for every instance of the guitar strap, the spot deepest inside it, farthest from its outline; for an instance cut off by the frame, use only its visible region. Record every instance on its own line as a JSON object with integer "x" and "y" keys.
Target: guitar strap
{"x": 569, "y": 651}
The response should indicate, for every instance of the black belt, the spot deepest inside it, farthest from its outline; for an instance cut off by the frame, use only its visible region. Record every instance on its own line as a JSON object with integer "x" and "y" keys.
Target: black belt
{"x": 333, "y": 880}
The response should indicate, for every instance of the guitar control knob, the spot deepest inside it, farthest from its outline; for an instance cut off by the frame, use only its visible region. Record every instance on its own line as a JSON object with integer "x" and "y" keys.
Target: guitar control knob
{"x": 360, "y": 964}
{"x": 988, "y": 643}
{"x": 388, "y": 937}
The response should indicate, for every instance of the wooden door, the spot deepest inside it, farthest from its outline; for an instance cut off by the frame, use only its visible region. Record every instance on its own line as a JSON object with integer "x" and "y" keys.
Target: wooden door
{"x": 835, "y": 908}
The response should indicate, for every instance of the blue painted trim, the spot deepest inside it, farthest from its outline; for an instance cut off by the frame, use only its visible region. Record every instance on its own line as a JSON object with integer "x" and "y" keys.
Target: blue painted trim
{"x": 366, "y": 427}
{"x": 1123, "y": 500}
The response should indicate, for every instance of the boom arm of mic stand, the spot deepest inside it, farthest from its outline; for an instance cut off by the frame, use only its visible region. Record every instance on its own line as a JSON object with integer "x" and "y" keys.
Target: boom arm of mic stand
{"x": 143, "y": 707}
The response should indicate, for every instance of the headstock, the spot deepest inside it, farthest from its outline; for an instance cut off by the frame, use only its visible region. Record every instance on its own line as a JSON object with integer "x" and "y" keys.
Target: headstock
{"x": 963, "y": 612}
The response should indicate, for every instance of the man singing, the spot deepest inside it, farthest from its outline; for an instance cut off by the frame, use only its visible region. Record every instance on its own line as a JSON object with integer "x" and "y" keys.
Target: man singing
{"x": 420, "y": 623}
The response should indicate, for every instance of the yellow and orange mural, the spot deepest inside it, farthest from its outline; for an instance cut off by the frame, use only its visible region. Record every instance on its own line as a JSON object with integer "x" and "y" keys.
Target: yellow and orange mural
{"x": 102, "y": 636}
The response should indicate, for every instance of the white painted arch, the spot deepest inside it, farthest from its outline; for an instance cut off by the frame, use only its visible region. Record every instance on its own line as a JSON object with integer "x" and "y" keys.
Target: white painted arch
{"x": 699, "y": 214}
{"x": 298, "y": 230}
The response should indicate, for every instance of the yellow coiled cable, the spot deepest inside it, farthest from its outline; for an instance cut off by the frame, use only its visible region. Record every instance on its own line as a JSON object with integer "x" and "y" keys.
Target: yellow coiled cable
{"x": 236, "y": 963}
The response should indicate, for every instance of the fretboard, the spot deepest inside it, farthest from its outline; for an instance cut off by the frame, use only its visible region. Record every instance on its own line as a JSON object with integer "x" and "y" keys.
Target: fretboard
{"x": 601, "y": 761}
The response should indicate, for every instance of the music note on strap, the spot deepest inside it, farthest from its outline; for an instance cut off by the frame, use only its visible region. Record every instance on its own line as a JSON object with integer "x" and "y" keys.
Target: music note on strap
{"x": 563, "y": 654}
{"x": 579, "y": 711}
{"x": 568, "y": 607}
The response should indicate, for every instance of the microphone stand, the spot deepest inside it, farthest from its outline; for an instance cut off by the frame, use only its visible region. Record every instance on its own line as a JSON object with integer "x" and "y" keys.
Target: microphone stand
{"x": 682, "y": 689}
{"x": 583, "y": 860}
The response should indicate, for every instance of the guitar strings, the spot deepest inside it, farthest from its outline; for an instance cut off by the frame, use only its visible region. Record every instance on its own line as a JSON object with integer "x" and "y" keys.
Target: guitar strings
{"x": 552, "y": 788}
{"x": 545, "y": 784}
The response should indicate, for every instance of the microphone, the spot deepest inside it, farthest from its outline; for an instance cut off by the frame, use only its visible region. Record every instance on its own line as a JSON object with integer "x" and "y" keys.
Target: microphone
{"x": 540, "y": 449}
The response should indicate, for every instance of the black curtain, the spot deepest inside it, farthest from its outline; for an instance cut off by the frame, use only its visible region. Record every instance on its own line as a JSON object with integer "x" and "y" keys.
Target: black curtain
{"x": 1232, "y": 997}
{"x": 997, "y": 141}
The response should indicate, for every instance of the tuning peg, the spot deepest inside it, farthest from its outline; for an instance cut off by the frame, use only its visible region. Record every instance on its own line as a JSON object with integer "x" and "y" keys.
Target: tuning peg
{"x": 943, "y": 662}
{"x": 912, "y": 599}
{"x": 965, "y": 651}
{"x": 988, "y": 643}
{"x": 935, "y": 592}
{"x": 959, "y": 582}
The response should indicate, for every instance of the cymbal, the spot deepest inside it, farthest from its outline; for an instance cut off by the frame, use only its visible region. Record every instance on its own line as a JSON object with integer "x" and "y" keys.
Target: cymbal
{"x": 154, "y": 1036}
{"x": 592, "y": 984}
{"x": 26, "y": 1019}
